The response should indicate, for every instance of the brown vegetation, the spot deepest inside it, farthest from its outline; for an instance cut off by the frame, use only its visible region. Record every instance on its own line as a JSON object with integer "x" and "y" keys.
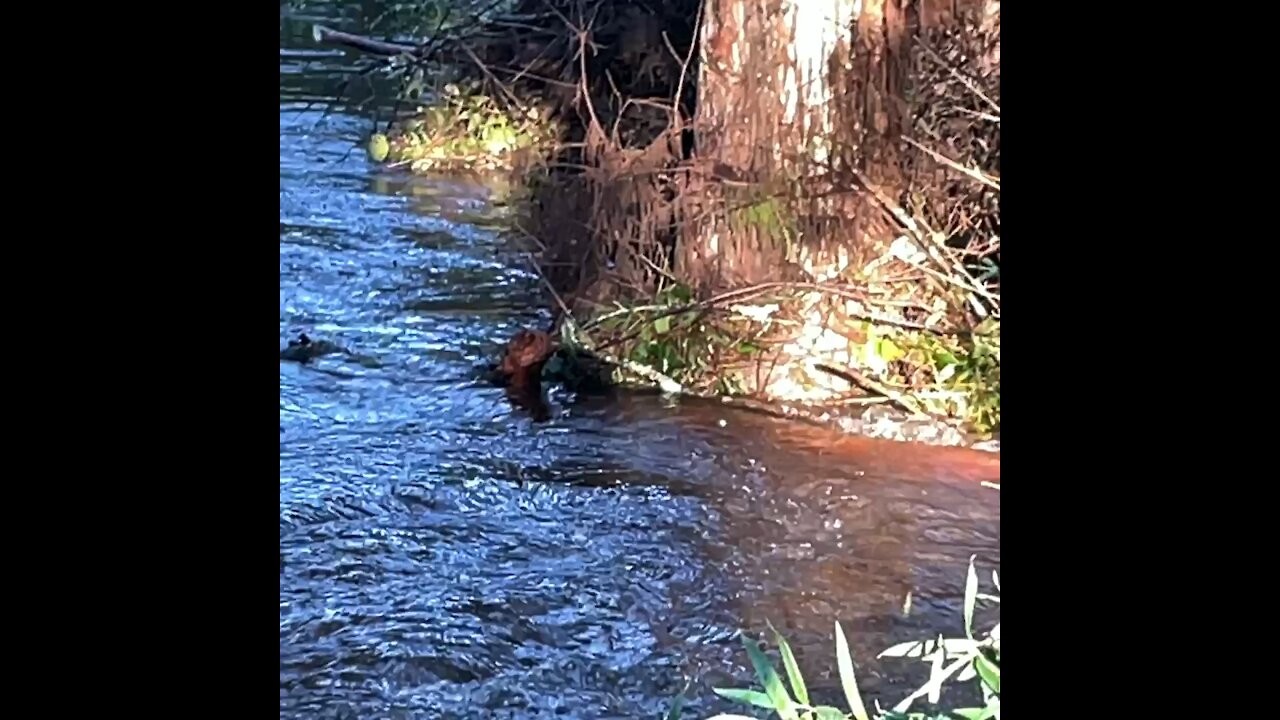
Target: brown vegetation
{"x": 890, "y": 223}
{"x": 808, "y": 196}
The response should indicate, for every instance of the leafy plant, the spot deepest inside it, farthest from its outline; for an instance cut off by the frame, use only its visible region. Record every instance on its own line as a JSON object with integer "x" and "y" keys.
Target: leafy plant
{"x": 961, "y": 659}
{"x": 966, "y": 369}
{"x": 676, "y": 337}
{"x": 463, "y": 129}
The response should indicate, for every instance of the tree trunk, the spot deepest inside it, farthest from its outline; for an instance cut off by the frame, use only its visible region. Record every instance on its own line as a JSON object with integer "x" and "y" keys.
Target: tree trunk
{"x": 799, "y": 96}
{"x": 805, "y": 101}
{"x": 783, "y": 84}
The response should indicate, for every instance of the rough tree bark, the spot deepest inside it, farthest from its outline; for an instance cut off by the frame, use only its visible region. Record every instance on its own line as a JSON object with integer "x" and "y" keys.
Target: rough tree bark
{"x": 803, "y": 99}
{"x": 782, "y": 84}
{"x": 765, "y": 113}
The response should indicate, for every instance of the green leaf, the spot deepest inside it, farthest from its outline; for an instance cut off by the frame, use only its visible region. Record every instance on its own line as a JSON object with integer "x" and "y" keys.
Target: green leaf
{"x": 936, "y": 677}
{"x": 970, "y": 597}
{"x": 747, "y": 348}
{"x": 770, "y": 681}
{"x": 848, "y": 680}
{"x": 946, "y": 372}
{"x": 379, "y": 147}
{"x": 750, "y": 697}
{"x": 974, "y": 713}
{"x": 990, "y": 673}
{"x": 662, "y": 325}
{"x": 681, "y": 293}
{"x": 676, "y": 705}
{"x": 888, "y": 350}
{"x": 826, "y": 712}
{"x": 792, "y": 668}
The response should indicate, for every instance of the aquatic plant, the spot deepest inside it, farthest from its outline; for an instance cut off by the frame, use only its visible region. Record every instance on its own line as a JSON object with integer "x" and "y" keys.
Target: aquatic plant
{"x": 950, "y": 659}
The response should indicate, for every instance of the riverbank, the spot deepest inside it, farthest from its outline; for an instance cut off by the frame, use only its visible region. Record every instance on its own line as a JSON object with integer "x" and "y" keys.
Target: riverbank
{"x": 876, "y": 288}
{"x": 877, "y": 421}
{"x": 578, "y": 570}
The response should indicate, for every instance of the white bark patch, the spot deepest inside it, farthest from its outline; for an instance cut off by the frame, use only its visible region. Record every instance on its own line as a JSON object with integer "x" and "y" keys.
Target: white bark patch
{"x": 817, "y": 26}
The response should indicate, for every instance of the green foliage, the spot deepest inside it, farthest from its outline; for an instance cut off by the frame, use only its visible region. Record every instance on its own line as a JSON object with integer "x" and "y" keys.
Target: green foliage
{"x": 960, "y": 658}
{"x": 767, "y": 214}
{"x": 676, "y": 337}
{"x": 967, "y": 367}
{"x": 379, "y": 148}
{"x": 464, "y": 130}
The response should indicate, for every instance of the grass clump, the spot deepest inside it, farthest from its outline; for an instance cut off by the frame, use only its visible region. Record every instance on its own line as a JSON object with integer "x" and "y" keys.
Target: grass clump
{"x": 950, "y": 375}
{"x": 951, "y": 660}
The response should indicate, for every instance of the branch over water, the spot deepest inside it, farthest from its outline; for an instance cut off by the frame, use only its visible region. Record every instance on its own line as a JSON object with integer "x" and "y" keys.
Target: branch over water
{"x": 323, "y": 34}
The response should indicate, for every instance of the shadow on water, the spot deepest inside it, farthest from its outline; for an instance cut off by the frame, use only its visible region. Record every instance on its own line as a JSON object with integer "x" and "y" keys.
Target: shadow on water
{"x": 445, "y": 556}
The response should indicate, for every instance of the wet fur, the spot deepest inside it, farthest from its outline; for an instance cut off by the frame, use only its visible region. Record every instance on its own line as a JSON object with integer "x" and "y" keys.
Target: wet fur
{"x": 521, "y": 369}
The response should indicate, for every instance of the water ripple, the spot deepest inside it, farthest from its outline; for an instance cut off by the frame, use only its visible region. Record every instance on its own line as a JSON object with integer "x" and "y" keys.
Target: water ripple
{"x": 445, "y": 556}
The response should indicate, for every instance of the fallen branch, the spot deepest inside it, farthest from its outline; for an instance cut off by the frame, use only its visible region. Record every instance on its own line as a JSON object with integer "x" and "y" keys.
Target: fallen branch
{"x": 742, "y": 294}
{"x": 902, "y": 402}
{"x": 323, "y": 34}
{"x": 666, "y": 384}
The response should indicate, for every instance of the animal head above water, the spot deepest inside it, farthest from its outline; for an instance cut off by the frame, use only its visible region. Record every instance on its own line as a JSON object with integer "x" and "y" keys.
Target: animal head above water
{"x": 526, "y": 352}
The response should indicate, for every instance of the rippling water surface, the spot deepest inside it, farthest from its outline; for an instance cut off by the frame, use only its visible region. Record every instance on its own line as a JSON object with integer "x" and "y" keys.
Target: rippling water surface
{"x": 445, "y": 557}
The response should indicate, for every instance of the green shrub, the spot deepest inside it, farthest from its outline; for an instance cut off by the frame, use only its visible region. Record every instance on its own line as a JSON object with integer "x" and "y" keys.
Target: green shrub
{"x": 464, "y": 130}
{"x": 952, "y": 659}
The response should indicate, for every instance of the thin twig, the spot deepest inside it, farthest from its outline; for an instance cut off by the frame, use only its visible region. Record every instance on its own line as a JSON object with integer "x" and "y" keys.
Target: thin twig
{"x": 485, "y": 69}
{"x": 745, "y": 293}
{"x": 973, "y": 87}
{"x": 926, "y": 239}
{"x": 977, "y": 114}
{"x": 857, "y": 378}
{"x": 684, "y": 66}
{"x": 991, "y": 182}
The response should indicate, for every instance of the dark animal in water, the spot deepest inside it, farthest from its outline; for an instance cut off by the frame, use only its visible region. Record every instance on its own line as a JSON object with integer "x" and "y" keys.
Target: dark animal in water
{"x": 521, "y": 370}
{"x": 304, "y": 349}
{"x": 526, "y": 353}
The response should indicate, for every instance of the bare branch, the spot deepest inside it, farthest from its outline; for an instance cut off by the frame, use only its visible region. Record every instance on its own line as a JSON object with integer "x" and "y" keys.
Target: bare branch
{"x": 324, "y": 34}
{"x": 989, "y": 181}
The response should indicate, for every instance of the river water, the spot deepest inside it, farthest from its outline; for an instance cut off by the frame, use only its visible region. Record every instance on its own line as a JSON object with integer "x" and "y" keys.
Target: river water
{"x": 446, "y": 557}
